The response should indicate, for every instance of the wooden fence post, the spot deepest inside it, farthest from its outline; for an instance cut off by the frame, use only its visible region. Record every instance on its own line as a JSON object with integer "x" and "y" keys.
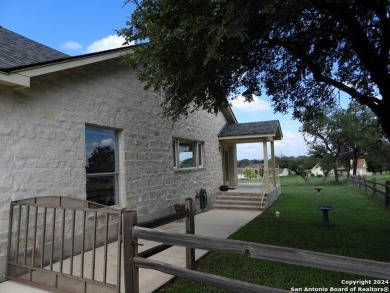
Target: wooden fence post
{"x": 387, "y": 196}
{"x": 365, "y": 183}
{"x": 190, "y": 229}
{"x": 130, "y": 250}
{"x": 373, "y": 187}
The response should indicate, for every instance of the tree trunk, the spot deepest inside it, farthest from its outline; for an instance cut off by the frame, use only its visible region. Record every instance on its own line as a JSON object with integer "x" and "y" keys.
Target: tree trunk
{"x": 336, "y": 175}
{"x": 355, "y": 160}
{"x": 304, "y": 177}
{"x": 382, "y": 111}
{"x": 326, "y": 173}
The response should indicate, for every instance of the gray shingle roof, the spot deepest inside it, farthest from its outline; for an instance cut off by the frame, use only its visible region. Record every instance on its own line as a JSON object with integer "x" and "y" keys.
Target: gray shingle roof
{"x": 251, "y": 128}
{"x": 16, "y": 51}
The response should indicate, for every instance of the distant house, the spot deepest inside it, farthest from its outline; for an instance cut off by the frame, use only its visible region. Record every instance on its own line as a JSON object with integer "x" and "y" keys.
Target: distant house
{"x": 259, "y": 171}
{"x": 361, "y": 169}
{"x": 316, "y": 170}
{"x": 283, "y": 172}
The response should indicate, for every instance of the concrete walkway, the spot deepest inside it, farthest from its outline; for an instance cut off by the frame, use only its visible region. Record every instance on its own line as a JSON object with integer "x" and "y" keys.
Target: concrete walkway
{"x": 216, "y": 223}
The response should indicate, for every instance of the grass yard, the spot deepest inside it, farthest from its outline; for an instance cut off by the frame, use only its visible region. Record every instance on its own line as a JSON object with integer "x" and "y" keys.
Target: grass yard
{"x": 360, "y": 227}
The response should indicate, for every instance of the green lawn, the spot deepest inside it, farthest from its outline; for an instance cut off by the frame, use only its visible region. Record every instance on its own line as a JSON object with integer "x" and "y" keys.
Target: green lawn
{"x": 360, "y": 227}
{"x": 379, "y": 178}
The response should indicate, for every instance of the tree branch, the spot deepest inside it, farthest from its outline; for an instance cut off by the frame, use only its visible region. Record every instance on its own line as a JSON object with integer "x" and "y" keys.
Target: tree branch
{"x": 371, "y": 102}
{"x": 362, "y": 46}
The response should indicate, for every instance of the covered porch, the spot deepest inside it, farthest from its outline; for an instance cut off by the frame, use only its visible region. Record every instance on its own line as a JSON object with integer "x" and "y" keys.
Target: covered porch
{"x": 265, "y": 132}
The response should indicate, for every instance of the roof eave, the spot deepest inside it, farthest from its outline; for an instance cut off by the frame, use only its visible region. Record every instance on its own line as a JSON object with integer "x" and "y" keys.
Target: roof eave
{"x": 250, "y": 138}
{"x": 13, "y": 81}
{"x": 20, "y": 77}
{"x": 229, "y": 115}
{"x": 278, "y": 131}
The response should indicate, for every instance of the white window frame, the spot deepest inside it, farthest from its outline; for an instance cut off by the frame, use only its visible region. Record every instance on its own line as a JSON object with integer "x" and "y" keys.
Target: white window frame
{"x": 198, "y": 153}
{"x": 200, "y": 156}
{"x": 116, "y": 173}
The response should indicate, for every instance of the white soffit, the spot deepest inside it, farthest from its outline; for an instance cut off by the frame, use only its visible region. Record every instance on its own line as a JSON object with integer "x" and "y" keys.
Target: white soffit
{"x": 21, "y": 78}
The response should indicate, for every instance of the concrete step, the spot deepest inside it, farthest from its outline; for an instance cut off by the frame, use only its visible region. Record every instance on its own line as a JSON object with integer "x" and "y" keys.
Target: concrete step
{"x": 239, "y": 201}
{"x": 237, "y": 193}
{"x": 237, "y": 207}
{"x": 235, "y": 197}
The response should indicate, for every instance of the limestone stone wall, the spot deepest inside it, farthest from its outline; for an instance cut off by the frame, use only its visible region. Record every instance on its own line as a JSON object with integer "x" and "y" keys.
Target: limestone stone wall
{"x": 42, "y": 141}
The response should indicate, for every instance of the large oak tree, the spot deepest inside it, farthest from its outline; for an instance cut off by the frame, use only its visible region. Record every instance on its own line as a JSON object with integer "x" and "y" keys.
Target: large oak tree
{"x": 339, "y": 137}
{"x": 301, "y": 53}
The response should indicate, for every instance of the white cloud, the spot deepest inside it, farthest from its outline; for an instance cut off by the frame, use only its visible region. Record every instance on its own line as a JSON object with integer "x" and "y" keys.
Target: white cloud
{"x": 71, "y": 45}
{"x": 292, "y": 144}
{"x": 257, "y": 105}
{"x": 102, "y": 143}
{"x": 107, "y": 142}
{"x": 250, "y": 151}
{"x": 107, "y": 43}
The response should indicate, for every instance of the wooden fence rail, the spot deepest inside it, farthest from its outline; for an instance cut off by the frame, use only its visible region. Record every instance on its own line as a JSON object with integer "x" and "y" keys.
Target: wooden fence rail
{"x": 375, "y": 187}
{"x": 221, "y": 282}
{"x": 130, "y": 243}
{"x": 133, "y": 261}
{"x": 269, "y": 252}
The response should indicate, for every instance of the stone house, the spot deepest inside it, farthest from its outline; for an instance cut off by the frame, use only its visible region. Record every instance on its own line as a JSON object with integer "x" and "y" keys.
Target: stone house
{"x": 84, "y": 127}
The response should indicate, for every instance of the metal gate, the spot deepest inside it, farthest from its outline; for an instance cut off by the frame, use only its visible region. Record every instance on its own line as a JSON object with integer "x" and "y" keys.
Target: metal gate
{"x": 65, "y": 245}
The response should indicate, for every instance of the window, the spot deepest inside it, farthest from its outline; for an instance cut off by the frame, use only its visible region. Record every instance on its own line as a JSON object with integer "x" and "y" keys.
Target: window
{"x": 102, "y": 170}
{"x": 187, "y": 153}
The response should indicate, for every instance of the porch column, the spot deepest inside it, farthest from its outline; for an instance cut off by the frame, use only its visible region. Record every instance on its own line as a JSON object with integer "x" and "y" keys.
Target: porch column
{"x": 234, "y": 165}
{"x": 266, "y": 171}
{"x": 273, "y": 162}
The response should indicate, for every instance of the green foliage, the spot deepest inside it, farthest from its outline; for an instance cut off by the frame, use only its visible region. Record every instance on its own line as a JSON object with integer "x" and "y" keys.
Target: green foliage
{"x": 102, "y": 160}
{"x": 187, "y": 163}
{"x": 249, "y": 173}
{"x": 301, "y": 53}
{"x": 300, "y": 165}
{"x": 378, "y": 159}
{"x": 246, "y": 162}
{"x": 338, "y": 137}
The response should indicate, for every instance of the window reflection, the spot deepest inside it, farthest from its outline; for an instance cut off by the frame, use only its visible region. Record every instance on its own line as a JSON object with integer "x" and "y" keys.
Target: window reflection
{"x": 101, "y": 165}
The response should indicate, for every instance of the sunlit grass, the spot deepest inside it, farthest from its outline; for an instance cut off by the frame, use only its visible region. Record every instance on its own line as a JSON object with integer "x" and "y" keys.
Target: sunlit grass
{"x": 360, "y": 227}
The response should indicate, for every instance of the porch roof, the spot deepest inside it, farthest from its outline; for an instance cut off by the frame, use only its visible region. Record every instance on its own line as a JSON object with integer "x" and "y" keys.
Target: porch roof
{"x": 251, "y": 132}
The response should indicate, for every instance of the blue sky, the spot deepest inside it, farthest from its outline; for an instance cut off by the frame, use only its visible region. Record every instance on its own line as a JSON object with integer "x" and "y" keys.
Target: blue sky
{"x": 86, "y": 26}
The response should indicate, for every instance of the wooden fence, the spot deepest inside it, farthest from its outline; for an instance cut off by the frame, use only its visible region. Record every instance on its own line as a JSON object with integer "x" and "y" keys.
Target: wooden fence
{"x": 133, "y": 261}
{"x": 53, "y": 243}
{"x": 377, "y": 189}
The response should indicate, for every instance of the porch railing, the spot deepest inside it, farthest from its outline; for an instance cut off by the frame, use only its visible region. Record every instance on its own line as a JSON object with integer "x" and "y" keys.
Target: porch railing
{"x": 53, "y": 243}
